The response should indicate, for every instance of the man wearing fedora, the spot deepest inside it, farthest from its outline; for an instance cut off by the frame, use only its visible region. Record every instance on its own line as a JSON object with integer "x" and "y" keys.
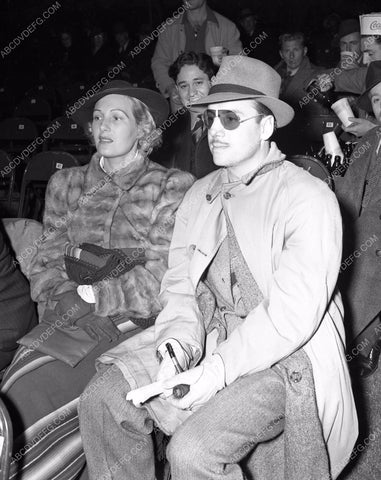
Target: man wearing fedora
{"x": 248, "y": 351}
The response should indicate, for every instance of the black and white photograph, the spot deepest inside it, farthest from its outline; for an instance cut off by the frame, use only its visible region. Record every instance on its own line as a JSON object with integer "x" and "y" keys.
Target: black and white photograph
{"x": 190, "y": 240}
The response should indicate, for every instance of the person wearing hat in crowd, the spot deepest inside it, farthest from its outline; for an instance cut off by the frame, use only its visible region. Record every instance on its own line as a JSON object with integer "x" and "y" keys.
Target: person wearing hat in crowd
{"x": 196, "y": 29}
{"x": 359, "y": 193}
{"x": 250, "y": 312}
{"x": 258, "y": 41}
{"x": 95, "y": 275}
{"x": 350, "y": 44}
{"x": 353, "y": 80}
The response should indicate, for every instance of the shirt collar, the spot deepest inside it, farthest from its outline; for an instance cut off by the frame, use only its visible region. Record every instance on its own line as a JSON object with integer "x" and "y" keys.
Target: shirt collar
{"x": 210, "y": 16}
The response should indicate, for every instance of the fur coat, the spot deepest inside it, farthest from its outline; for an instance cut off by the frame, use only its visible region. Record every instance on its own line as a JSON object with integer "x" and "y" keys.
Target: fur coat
{"x": 134, "y": 207}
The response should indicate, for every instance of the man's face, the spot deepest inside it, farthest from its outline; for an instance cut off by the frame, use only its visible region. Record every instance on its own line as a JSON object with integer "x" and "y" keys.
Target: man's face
{"x": 248, "y": 24}
{"x": 235, "y": 148}
{"x": 375, "y": 99}
{"x": 66, "y": 40}
{"x": 351, "y": 43}
{"x": 292, "y": 53}
{"x": 371, "y": 49}
{"x": 192, "y": 84}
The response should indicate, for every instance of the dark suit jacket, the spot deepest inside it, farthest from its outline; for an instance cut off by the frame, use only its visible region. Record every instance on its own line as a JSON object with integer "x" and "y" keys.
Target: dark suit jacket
{"x": 180, "y": 152}
{"x": 359, "y": 194}
{"x": 17, "y": 311}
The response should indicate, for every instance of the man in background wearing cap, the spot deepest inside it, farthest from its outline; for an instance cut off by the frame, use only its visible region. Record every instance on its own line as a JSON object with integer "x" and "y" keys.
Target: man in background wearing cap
{"x": 197, "y": 29}
{"x": 359, "y": 193}
{"x": 250, "y": 312}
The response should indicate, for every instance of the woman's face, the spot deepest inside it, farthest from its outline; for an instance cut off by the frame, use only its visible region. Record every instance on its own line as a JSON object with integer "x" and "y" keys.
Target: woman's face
{"x": 114, "y": 128}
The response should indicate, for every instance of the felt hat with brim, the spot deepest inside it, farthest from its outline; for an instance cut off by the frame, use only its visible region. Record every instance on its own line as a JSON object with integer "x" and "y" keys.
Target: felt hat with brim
{"x": 348, "y": 26}
{"x": 244, "y": 78}
{"x": 373, "y": 77}
{"x": 156, "y": 103}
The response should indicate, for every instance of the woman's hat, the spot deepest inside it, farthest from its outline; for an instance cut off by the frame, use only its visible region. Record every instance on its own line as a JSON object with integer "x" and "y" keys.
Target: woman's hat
{"x": 373, "y": 77}
{"x": 243, "y": 78}
{"x": 156, "y": 103}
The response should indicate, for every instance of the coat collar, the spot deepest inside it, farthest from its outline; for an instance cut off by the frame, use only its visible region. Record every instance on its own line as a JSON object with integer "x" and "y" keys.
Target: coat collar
{"x": 124, "y": 178}
{"x": 223, "y": 184}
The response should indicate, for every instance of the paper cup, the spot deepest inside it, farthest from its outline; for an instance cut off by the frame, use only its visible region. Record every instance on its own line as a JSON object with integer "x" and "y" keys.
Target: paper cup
{"x": 217, "y": 53}
{"x": 332, "y": 146}
{"x": 343, "y": 111}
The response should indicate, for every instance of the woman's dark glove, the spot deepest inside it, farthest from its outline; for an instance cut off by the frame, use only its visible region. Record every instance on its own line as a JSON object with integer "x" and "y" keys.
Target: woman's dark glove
{"x": 99, "y": 327}
{"x": 72, "y": 310}
{"x": 70, "y": 307}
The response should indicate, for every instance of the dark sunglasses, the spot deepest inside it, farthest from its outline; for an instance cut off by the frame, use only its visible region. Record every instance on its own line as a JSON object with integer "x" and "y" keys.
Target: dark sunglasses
{"x": 229, "y": 119}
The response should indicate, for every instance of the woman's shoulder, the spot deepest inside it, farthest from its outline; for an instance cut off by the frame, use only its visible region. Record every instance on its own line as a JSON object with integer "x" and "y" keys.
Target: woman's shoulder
{"x": 170, "y": 177}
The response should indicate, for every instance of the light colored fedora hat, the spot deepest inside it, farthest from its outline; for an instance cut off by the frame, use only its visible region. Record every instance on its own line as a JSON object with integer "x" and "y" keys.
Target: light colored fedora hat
{"x": 242, "y": 78}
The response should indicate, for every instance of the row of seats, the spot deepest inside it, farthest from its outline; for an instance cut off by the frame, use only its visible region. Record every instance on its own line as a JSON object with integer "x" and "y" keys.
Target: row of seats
{"x": 35, "y": 177}
{"x": 62, "y": 133}
{"x": 42, "y": 100}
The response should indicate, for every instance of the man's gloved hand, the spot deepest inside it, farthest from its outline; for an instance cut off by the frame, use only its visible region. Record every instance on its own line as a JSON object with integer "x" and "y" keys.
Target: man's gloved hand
{"x": 204, "y": 381}
{"x": 99, "y": 327}
{"x": 70, "y": 307}
{"x": 167, "y": 368}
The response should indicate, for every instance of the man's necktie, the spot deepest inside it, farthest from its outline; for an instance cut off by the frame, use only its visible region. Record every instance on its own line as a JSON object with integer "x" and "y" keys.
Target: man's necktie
{"x": 197, "y": 130}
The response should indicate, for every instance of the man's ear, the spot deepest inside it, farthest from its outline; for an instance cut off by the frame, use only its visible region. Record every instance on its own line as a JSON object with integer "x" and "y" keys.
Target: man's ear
{"x": 305, "y": 50}
{"x": 267, "y": 127}
{"x": 281, "y": 54}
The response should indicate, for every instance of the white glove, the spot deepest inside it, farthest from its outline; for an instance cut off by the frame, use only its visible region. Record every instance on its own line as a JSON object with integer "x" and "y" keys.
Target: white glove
{"x": 86, "y": 292}
{"x": 167, "y": 367}
{"x": 205, "y": 381}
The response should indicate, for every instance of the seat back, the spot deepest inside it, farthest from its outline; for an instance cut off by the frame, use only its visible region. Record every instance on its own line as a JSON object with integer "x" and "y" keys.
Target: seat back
{"x": 6, "y": 441}
{"x": 36, "y": 176}
{"x": 7, "y": 175}
{"x": 17, "y": 133}
{"x": 314, "y": 167}
{"x": 69, "y": 137}
{"x": 36, "y": 108}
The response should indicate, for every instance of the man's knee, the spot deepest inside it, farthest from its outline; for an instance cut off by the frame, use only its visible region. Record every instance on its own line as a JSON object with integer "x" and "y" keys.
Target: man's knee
{"x": 99, "y": 392}
{"x": 184, "y": 449}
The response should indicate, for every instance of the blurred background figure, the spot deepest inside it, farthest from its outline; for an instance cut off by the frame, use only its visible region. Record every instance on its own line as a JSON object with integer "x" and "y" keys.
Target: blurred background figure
{"x": 257, "y": 37}
{"x": 17, "y": 311}
{"x": 101, "y": 54}
{"x": 196, "y": 30}
{"x": 326, "y": 42}
{"x": 296, "y": 72}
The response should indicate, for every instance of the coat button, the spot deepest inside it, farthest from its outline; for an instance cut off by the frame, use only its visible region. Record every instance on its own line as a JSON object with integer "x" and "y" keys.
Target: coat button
{"x": 222, "y": 309}
{"x": 227, "y": 195}
{"x": 378, "y": 252}
{"x": 295, "y": 377}
{"x": 208, "y": 197}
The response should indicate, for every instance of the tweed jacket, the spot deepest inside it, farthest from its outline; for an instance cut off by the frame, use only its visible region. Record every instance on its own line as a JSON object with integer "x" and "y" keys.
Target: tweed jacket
{"x": 171, "y": 42}
{"x": 359, "y": 194}
{"x": 133, "y": 207}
